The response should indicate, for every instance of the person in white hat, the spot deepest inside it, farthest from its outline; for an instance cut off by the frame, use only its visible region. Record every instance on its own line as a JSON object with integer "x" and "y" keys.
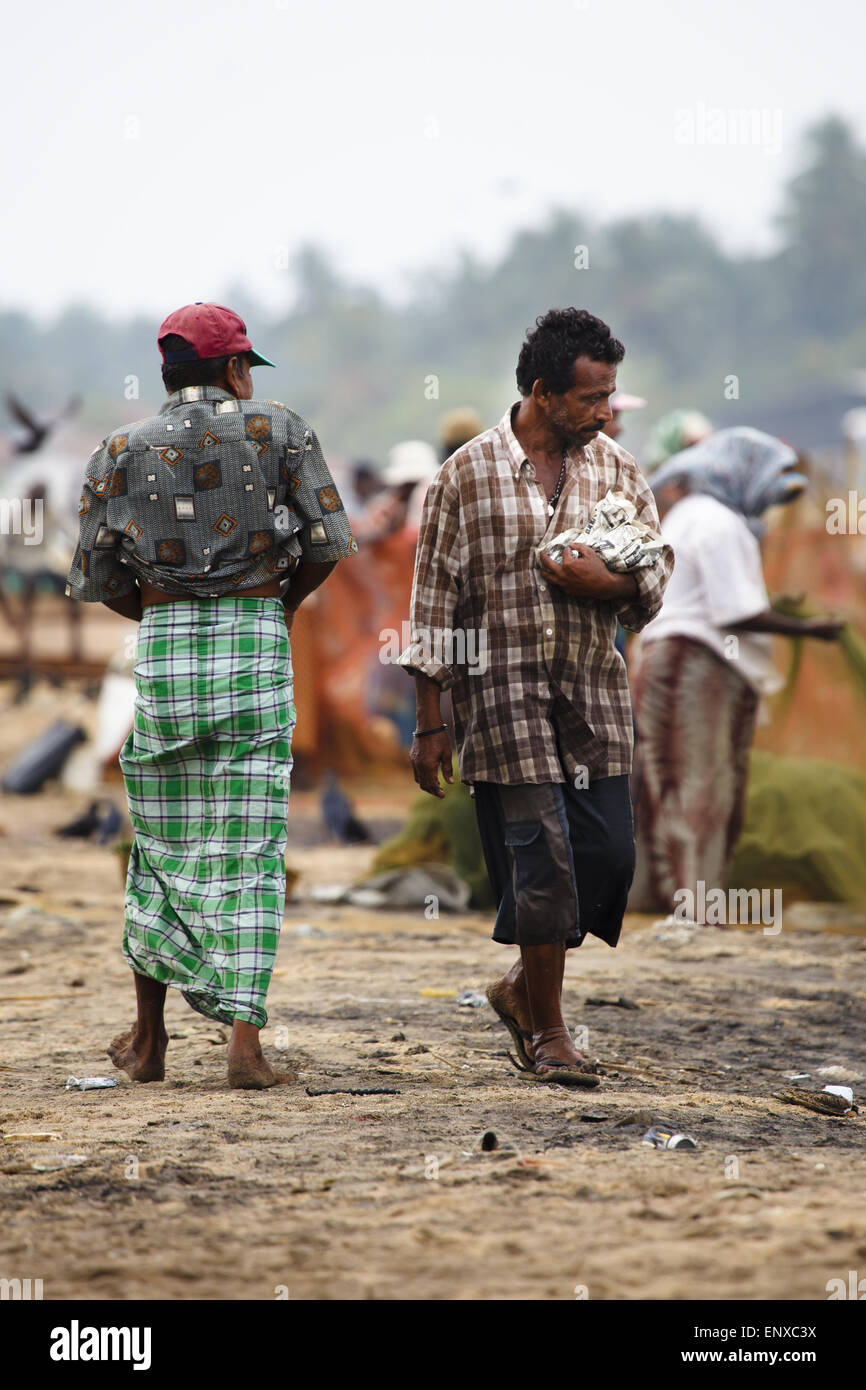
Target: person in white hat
{"x": 410, "y": 463}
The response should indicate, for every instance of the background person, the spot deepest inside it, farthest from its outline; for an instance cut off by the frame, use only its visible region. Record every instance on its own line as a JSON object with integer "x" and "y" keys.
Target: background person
{"x": 703, "y": 663}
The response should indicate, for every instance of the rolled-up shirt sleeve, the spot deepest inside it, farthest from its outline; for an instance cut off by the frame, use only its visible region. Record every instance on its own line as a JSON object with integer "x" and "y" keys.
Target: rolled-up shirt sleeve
{"x": 326, "y": 534}
{"x": 96, "y": 573}
{"x": 652, "y": 580}
{"x": 436, "y": 582}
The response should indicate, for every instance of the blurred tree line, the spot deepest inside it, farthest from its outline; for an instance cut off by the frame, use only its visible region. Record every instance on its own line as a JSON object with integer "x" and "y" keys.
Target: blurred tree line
{"x": 368, "y": 371}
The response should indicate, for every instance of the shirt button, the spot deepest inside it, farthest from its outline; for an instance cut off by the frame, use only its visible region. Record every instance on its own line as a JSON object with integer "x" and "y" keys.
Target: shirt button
{"x": 549, "y": 631}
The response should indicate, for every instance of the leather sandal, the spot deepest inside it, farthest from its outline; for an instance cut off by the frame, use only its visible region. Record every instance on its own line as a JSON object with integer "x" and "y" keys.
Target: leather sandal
{"x": 580, "y": 1073}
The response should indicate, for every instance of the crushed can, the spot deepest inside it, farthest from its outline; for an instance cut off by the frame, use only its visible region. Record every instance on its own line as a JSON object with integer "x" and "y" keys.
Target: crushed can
{"x": 656, "y": 1138}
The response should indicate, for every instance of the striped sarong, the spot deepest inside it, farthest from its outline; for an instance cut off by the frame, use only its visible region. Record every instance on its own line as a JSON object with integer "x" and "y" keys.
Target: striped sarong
{"x": 207, "y": 768}
{"x": 695, "y": 719}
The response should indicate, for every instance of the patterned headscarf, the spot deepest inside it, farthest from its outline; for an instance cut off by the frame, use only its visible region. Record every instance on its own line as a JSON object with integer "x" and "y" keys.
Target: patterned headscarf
{"x": 741, "y": 467}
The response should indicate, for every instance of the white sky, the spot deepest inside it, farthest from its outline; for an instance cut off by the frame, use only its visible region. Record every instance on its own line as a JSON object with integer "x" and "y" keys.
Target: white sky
{"x": 392, "y": 131}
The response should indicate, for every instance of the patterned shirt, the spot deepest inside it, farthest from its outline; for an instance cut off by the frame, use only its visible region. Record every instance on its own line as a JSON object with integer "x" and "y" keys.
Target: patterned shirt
{"x": 539, "y": 690}
{"x": 212, "y": 496}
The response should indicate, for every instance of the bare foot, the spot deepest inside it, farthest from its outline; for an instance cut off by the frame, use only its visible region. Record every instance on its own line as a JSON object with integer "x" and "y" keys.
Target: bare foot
{"x": 248, "y": 1070}
{"x": 143, "y": 1061}
{"x": 255, "y": 1074}
{"x": 508, "y": 996}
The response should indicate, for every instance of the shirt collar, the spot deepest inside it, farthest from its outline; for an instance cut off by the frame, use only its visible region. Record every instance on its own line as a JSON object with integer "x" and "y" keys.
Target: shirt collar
{"x": 516, "y": 453}
{"x": 189, "y": 394}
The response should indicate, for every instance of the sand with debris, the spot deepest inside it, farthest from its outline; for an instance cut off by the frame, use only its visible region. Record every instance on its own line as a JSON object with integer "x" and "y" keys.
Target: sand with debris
{"x": 186, "y": 1190}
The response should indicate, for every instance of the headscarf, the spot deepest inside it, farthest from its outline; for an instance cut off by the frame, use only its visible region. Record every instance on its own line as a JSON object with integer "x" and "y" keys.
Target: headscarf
{"x": 674, "y": 432}
{"x": 741, "y": 467}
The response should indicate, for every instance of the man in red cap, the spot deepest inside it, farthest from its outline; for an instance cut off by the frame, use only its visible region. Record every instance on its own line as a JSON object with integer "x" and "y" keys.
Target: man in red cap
{"x": 210, "y": 523}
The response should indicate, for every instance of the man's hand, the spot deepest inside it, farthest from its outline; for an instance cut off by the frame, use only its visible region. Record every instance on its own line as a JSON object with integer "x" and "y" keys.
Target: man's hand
{"x": 824, "y": 627}
{"x": 428, "y": 756}
{"x": 587, "y": 576}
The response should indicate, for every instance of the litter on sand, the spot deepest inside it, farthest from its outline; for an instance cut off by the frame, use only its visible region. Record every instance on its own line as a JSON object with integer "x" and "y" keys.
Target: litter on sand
{"x": 417, "y": 886}
{"x": 664, "y": 1139}
{"x": 471, "y": 999}
{"x": 38, "y": 1137}
{"x": 304, "y": 929}
{"x": 90, "y": 1083}
{"x": 675, "y": 930}
{"x": 328, "y": 892}
{"x": 837, "y": 1073}
{"x": 826, "y": 1102}
{"x": 403, "y": 889}
{"x": 51, "y": 1165}
{"x": 845, "y": 1092}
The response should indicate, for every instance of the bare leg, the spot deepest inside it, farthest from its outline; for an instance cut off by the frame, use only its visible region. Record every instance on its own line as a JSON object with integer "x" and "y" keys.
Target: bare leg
{"x": 544, "y": 968}
{"x": 248, "y": 1070}
{"x": 140, "y": 1051}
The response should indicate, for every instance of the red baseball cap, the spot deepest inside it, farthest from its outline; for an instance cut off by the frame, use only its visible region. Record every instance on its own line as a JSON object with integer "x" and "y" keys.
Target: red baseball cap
{"x": 212, "y": 331}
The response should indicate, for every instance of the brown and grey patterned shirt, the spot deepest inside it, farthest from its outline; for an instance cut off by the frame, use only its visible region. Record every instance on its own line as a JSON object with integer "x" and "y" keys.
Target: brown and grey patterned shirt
{"x": 212, "y": 496}
{"x": 539, "y": 688}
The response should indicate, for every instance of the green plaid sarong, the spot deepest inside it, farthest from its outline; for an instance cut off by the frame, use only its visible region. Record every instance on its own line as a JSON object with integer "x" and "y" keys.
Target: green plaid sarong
{"x": 207, "y": 768}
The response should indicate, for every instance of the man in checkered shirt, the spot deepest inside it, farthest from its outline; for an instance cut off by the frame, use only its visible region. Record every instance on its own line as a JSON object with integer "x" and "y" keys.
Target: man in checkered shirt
{"x": 541, "y": 705}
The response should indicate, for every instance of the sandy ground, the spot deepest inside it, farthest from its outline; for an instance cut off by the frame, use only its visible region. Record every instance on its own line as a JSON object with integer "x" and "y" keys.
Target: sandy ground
{"x": 188, "y": 1190}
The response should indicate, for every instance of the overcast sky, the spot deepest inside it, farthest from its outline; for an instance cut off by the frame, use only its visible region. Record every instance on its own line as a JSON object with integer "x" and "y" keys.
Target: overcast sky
{"x": 158, "y": 151}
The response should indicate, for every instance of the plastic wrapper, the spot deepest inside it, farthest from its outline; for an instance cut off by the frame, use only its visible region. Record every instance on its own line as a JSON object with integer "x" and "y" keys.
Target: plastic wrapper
{"x": 615, "y": 533}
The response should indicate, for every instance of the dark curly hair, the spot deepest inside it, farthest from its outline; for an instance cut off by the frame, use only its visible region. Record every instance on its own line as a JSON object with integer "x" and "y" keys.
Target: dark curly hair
{"x": 559, "y": 336}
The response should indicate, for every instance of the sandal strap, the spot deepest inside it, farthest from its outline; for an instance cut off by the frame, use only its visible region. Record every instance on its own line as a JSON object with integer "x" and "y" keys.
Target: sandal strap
{"x": 543, "y": 1038}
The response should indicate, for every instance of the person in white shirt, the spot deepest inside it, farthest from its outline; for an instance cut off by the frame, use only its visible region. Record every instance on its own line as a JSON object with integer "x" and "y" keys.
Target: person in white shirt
{"x": 702, "y": 665}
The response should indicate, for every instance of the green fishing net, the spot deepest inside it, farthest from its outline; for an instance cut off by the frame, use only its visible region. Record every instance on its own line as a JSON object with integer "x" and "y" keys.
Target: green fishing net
{"x": 805, "y": 832}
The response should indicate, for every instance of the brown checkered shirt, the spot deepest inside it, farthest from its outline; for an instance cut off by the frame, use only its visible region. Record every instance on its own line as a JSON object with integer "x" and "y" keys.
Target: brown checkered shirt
{"x": 539, "y": 690}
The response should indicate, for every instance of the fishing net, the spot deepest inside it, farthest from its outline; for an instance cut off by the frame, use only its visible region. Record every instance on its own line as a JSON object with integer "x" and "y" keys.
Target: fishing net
{"x": 804, "y": 832}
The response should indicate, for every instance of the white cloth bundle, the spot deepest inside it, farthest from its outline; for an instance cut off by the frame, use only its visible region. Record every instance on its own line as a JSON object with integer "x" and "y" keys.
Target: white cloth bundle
{"x": 615, "y": 533}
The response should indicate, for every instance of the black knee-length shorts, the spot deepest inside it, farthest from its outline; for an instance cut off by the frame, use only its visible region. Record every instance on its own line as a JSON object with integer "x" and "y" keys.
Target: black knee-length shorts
{"x": 560, "y": 858}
